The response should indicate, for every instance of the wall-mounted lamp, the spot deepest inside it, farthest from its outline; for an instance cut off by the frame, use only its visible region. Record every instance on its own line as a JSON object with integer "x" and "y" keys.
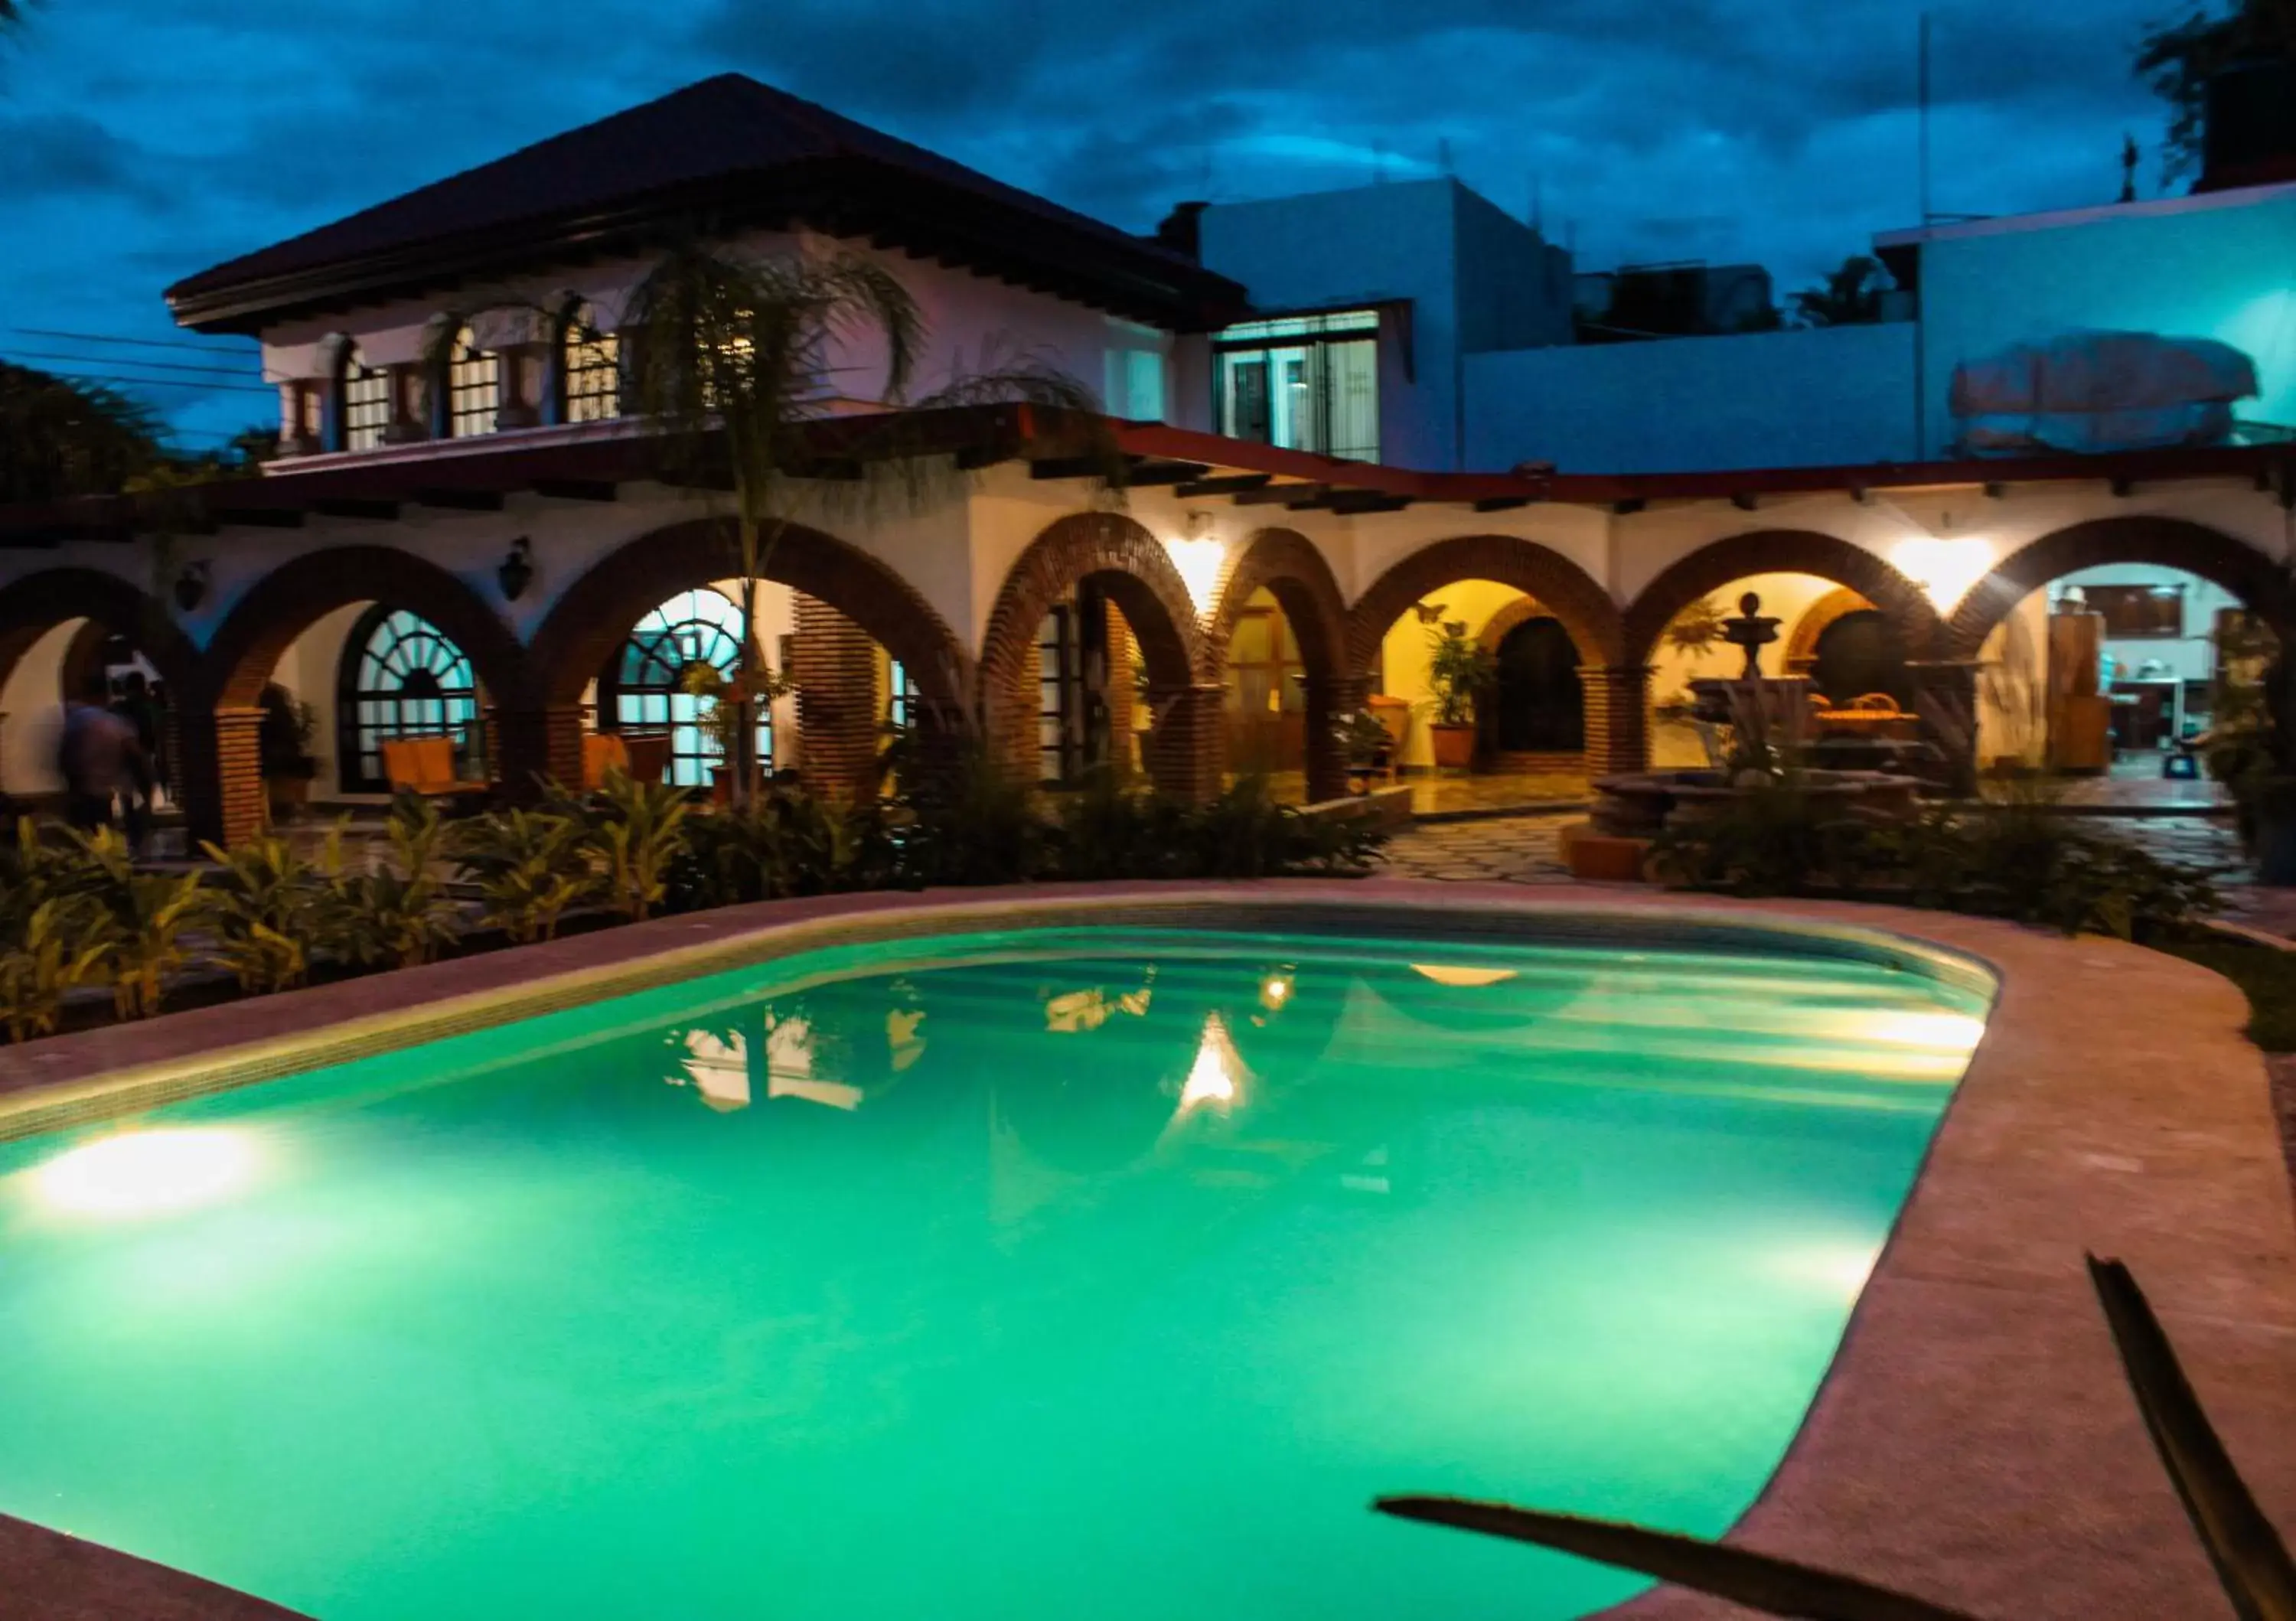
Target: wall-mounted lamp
{"x": 516, "y": 572}
{"x": 1198, "y": 553}
{"x": 192, "y": 587}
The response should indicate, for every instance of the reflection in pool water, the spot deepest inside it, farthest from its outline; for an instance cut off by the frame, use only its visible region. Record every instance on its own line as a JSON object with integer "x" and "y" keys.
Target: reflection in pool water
{"x": 1090, "y": 1272}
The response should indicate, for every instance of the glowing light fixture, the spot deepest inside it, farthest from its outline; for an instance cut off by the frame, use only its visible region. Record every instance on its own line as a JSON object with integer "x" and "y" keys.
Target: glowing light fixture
{"x": 1197, "y": 555}
{"x": 1274, "y": 991}
{"x": 1952, "y": 1032}
{"x": 1465, "y": 978}
{"x": 1945, "y": 567}
{"x": 146, "y": 1172}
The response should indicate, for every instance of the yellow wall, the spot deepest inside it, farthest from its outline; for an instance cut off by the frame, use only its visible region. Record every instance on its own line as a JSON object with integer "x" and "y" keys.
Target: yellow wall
{"x": 1403, "y": 656}
{"x": 1787, "y": 597}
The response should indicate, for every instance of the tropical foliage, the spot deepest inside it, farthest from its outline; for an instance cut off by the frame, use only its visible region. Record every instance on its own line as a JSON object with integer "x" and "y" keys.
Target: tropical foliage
{"x": 1459, "y": 671}
{"x": 77, "y": 915}
{"x": 2179, "y": 57}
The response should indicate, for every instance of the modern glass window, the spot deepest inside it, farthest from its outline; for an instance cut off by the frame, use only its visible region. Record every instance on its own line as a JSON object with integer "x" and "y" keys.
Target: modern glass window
{"x": 366, "y": 401}
{"x": 1303, "y": 382}
{"x": 643, "y": 690}
{"x": 592, "y": 364}
{"x": 473, "y": 387}
{"x": 402, "y": 678}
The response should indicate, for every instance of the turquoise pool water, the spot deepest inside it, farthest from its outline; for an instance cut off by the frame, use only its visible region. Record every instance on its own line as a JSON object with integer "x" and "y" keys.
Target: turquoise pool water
{"x": 1087, "y": 1272}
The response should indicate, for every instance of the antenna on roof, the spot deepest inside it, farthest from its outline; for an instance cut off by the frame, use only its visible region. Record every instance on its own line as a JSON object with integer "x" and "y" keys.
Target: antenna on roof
{"x": 1538, "y": 204}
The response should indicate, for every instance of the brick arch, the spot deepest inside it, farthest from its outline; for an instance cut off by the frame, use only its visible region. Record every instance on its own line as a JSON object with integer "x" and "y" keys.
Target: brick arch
{"x": 2257, "y": 580}
{"x": 589, "y": 621}
{"x": 1801, "y": 646}
{"x": 246, "y": 647}
{"x": 1521, "y": 610}
{"x": 1132, "y": 567}
{"x": 35, "y": 604}
{"x": 1287, "y": 563}
{"x": 1829, "y": 557}
{"x": 1566, "y": 591}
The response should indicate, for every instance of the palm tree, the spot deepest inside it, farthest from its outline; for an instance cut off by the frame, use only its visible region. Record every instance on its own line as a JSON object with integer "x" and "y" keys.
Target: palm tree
{"x": 1851, "y": 296}
{"x": 732, "y": 361}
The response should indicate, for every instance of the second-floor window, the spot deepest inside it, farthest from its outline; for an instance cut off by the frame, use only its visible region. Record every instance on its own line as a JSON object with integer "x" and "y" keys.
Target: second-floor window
{"x": 367, "y": 403}
{"x": 1304, "y": 382}
{"x": 592, "y": 363}
{"x": 473, "y": 387}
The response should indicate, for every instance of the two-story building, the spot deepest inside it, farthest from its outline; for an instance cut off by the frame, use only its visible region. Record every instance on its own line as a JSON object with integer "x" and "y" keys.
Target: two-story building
{"x": 473, "y": 535}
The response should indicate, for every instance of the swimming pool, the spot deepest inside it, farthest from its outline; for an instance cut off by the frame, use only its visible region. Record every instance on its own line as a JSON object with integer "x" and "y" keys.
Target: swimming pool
{"x": 1041, "y": 1272}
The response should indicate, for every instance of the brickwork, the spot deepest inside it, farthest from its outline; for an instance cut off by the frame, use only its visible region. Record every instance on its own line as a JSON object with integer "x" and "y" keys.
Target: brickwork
{"x": 38, "y": 602}
{"x": 1566, "y": 590}
{"x": 1288, "y": 565}
{"x": 1134, "y": 572}
{"x": 222, "y": 773}
{"x": 1801, "y": 655}
{"x": 1182, "y": 750}
{"x": 1120, "y": 695}
{"x": 1617, "y": 717}
{"x": 532, "y": 744}
{"x": 1328, "y": 698}
{"x": 834, "y": 664}
{"x": 2260, "y": 583}
{"x": 1711, "y": 568}
{"x": 1944, "y": 696}
{"x": 596, "y": 611}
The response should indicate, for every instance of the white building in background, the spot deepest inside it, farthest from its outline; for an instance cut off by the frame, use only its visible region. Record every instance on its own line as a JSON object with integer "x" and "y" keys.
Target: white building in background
{"x": 1346, "y": 415}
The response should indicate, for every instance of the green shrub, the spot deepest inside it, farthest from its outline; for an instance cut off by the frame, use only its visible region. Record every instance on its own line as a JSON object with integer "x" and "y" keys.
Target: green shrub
{"x": 969, "y": 819}
{"x": 273, "y": 912}
{"x": 530, "y": 867}
{"x": 636, "y": 832}
{"x": 41, "y": 963}
{"x": 136, "y": 920}
{"x": 781, "y": 844}
{"x": 400, "y": 915}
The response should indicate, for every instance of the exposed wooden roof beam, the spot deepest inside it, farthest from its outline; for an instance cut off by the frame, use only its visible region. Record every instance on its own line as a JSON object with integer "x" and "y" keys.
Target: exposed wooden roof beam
{"x": 1349, "y": 503}
{"x": 574, "y": 489}
{"x": 1279, "y": 494}
{"x": 1146, "y": 474}
{"x": 1501, "y": 503}
{"x": 1628, "y": 507}
{"x": 1745, "y": 501}
{"x": 460, "y": 500}
{"x": 1226, "y": 484}
{"x": 261, "y": 517}
{"x": 1067, "y": 467}
{"x": 372, "y": 511}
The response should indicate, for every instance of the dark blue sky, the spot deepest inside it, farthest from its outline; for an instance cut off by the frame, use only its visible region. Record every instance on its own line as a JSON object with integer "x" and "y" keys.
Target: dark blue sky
{"x": 140, "y": 142}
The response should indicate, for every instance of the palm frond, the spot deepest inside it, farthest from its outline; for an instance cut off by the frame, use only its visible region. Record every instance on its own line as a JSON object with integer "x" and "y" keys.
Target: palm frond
{"x": 1776, "y": 1586}
{"x": 2251, "y": 1561}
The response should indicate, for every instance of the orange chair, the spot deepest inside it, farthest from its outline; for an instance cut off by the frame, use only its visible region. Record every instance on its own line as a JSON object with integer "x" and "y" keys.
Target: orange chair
{"x": 425, "y": 765}
{"x": 649, "y": 755}
{"x": 602, "y": 753}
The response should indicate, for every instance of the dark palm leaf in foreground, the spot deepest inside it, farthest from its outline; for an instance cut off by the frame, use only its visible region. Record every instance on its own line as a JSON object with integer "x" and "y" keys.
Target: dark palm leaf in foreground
{"x": 2251, "y": 1559}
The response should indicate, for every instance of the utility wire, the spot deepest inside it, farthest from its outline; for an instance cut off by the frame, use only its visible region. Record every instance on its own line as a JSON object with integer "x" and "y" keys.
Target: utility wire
{"x": 152, "y": 365}
{"x": 145, "y": 343}
{"x": 114, "y": 378}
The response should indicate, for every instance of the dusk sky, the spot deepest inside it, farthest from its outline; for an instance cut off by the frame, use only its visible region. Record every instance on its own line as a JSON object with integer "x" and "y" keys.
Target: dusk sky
{"x": 142, "y": 142}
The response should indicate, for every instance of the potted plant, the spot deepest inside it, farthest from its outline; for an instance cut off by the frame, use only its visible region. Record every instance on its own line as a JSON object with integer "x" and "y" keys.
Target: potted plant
{"x": 283, "y": 748}
{"x": 732, "y": 699}
{"x": 2250, "y": 747}
{"x": 1459, "y": 671}
{"x": 1367, "y": 745}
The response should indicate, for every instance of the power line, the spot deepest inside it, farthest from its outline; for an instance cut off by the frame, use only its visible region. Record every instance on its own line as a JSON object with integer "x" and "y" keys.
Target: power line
{"x": 145, "y": 343}
{"x": 152, "y": 365}
{"x": 109, "y": 378}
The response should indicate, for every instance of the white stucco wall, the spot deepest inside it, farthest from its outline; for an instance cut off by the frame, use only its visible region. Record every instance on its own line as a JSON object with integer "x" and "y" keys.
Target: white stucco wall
{"x": 32, "y": 715}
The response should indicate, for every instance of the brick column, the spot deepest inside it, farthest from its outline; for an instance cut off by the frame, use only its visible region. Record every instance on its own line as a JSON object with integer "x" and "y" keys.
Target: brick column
{"x": 530, "y": 745}
{"x": 221, "y": 769}
{"x": 834, "y": 664}
{"x": 1617, "y": 717}
{"x": 1944, "y": 696}
{"x": 1327, "y": 754}
{"x": 1183, "y": 748}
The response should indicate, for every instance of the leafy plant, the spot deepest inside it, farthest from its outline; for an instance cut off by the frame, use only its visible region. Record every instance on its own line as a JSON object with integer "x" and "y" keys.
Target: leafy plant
{"x": 970, "y": 820}
{"x": 400, "y": 916}
{"x": 1459, "y": 671}
{"x": 135, "y": 920}
{"x": 41, "y": 964}
{"x": 272, "y": 911}
{"x": 530, "y": 867}
{"x": 637, "y": 832}
{"x": 781, "y": 844}
{"x": 2251, "y": 1563}
{"x": 1366, "y": 743}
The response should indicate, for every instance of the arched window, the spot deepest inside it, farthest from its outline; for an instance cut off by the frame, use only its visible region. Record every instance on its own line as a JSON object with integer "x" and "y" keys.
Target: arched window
{"x": 402, "y": 678}
{"x": 473, "y": 387}
{"x": 591, "y": 362}
{"x": 366, "y": 401}
{"x": 644, "y": 690}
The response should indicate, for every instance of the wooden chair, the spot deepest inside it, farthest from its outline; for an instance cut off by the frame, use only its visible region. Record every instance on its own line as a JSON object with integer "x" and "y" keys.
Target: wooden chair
{"x": 649, "y": 755}
{"x": 602, "y": 753}
{"x": 425, "y": 765}
{"x": 1395, "y": 715}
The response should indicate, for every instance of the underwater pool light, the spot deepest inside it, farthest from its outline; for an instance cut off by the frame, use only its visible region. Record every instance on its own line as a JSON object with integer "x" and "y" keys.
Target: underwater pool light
{"x": 143, "y": 1173}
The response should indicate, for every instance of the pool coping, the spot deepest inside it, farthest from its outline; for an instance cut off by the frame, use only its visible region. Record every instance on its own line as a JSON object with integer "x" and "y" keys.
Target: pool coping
{"x": 1973, "y": 1441}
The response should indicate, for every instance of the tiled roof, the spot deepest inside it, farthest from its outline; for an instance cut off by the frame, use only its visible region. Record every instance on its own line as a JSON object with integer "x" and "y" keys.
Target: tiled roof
{"x": 726, "y": 151}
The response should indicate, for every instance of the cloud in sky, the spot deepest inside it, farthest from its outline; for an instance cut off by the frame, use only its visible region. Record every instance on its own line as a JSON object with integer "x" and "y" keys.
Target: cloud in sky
{"x": 139, "y": 142}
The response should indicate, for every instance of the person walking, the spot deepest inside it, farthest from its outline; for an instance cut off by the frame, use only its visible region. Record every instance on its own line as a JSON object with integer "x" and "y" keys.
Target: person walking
{"x": 101, "y": 762}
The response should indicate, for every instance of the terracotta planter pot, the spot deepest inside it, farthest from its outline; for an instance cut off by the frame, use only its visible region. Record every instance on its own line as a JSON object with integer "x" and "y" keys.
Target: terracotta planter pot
{"x": 1455, "y": 746}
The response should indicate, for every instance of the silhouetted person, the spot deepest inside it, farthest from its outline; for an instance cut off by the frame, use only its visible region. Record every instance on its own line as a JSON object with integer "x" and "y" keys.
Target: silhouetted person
{"x": 101, "y": 762}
